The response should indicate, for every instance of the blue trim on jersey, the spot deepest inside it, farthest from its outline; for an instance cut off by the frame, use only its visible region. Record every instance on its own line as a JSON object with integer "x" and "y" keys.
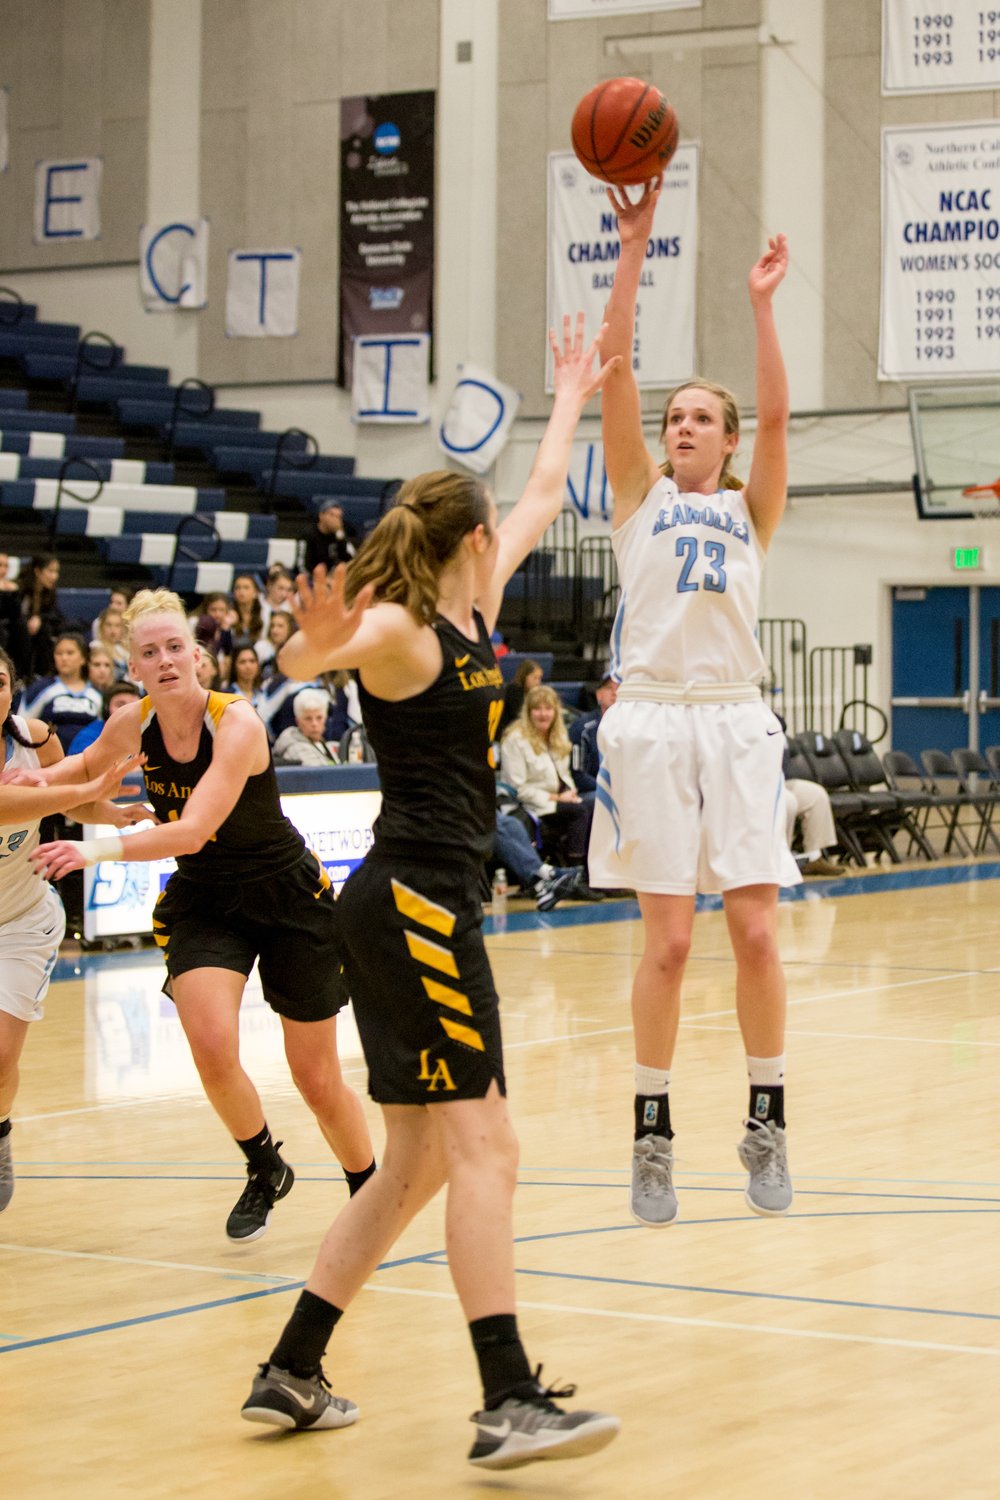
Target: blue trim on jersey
{"x": 8, "y": 748}
{"x": 53, "y": 956}
{"x": 777, "y": 796}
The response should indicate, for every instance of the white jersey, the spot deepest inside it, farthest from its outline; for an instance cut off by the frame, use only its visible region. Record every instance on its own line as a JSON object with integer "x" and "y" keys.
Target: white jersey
{"x": 20, "y": 887}
{"x": 690, "y": 568}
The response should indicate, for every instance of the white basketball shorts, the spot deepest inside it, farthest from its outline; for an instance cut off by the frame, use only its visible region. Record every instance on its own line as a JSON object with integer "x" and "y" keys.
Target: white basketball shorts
{"x": 29, "y": 947}
{"x": 689, "y": 798}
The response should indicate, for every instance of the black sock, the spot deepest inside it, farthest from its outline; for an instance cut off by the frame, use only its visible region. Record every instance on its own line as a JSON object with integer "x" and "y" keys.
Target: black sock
{"x": 767, "y": 1102}
{"x": 503, "y": 1363}
{"x": 305, "y": 1336}
{"x": 4, "y": 1127}
{"x": 358, "y": 1179}
{"x": 261, "y": 1152}
{"x": 652, "y": 1115}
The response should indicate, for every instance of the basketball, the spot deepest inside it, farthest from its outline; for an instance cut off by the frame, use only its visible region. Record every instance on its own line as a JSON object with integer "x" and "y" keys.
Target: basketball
{"x": 624, "y": 131}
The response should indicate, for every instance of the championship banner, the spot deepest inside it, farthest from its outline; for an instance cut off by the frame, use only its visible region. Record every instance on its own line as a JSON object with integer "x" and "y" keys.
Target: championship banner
{"x": 573, "y": 10}
{"x": 940, "y": 313}
{"x": 584, "y": 249}
{"x": 480, "y": 415}
{"x": 68, "y": 200}
{"x": 931, "y": 49}
{"x": 386, "y": 218}
{"x": 389, "y": 378}
{"x": 262, "y": 295}
{"x": 173, "y": 265}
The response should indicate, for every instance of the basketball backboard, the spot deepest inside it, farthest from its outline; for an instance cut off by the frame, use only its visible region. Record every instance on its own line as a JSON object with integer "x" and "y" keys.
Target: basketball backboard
{"x": 956, "y": 443}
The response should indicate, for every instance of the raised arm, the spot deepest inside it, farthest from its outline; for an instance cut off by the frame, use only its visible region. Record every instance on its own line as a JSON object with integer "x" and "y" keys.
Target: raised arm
{"x": 767, "y": 487}
{"x": 632, "y": 469}
{"x": 22, "y": 800}
{"x": 575, "y": 381}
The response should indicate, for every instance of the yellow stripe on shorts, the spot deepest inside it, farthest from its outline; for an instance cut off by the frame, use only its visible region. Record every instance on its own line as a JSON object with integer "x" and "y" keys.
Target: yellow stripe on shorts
{"x": 419, "y": 909}
{"x": 445, "y": 995}
{"x": 431, "y": 954}
{"x": 459, "y": 1033}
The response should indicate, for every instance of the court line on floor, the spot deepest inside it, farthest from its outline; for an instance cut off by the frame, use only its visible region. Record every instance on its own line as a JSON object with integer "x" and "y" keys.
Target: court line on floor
{"x": 865, "y": 1036}
{"x": 136, "y": 1260}
{"x": 767, "y": 1329}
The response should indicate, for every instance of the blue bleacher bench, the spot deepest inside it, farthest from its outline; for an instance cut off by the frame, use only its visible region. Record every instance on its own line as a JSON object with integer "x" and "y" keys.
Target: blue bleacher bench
{"x": 58, "y": 445}
{"x": 510, "y": 663}
{"x": 153, "y": 549}
{"x": 40, "y": 495}
{"x": 120, "y": 470}
{"x": 257, "y": 461}
{"x": 154, "y": 412}
{"x": 99, "y": 520}
{"x": 13, "y": 401}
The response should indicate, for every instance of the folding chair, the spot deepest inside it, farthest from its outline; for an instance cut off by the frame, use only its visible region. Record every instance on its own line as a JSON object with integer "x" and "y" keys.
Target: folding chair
{"x": 891, "y": 808}
{"x": 977, "y": 781}
{"x": 848, "y": 808}
{"x": 941, "y": 778}
{"x": 905, "y": 777}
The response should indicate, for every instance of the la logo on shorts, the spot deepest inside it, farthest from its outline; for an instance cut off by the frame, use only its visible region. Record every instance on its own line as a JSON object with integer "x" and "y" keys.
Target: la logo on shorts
{"x": 440, "y": 1074}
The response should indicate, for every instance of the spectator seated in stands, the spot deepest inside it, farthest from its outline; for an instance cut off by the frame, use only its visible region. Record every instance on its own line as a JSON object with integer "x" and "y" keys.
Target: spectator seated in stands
{"x": 280, "y": 628}
{"x": 514, "y": 851}
{"x": 7, "y": 584}
{"x": 246, "y": 679}
{"x": 332, "y": 539}
{"x": 279, "y": 586}
{"x": 14, "y": 637}
{"x": 528, "y": 675}
{"x": 109, "y": 635}
{"x": 211, "y": 628}
{"x": 535, "y": 755}
{"x": 585, "y": 755}
{"x": 67, "y": 701}
{"x": 118, "y": 599}
{"x": 305, "y": 744}
{"x": 116, "y": 696}
{"x": 246, "y": 619}
{"x": 207, "y": 671}
{"x": 345, "y": 703}
{"x": 40, "y": 613}
{"x": 101, "y": 672}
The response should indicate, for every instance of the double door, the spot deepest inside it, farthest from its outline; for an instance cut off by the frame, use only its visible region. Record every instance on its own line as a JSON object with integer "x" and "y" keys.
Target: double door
{"x": 945, "y": 668}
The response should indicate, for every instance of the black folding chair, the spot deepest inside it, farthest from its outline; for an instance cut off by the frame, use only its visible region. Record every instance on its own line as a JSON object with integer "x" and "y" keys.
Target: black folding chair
{"x": 891, "y": 809}
{"x": 848, "y": 807}
{"x": 941, "y": 779}
{"x": 976, "y": 780}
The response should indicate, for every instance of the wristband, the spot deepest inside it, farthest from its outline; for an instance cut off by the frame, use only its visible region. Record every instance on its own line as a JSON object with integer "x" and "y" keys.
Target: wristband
{"x": 96, "y": 850}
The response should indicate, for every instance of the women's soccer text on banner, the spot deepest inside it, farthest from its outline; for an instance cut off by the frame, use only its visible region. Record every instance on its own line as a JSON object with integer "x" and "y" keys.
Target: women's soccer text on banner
{"x": 940, "y": 251}
{"x": 930, "y": 49}
{"x": 584, "y": 249}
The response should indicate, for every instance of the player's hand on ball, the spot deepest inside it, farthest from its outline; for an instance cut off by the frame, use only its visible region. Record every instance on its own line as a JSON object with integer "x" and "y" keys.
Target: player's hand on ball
{"x": 635, "y": 220}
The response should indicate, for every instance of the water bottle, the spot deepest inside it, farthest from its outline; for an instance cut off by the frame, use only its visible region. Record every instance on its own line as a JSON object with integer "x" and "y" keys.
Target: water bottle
{"x": 499, "y": 903}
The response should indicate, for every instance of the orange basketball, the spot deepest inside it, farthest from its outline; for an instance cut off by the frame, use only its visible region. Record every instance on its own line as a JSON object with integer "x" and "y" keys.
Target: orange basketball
{"x": 624, "y": 131}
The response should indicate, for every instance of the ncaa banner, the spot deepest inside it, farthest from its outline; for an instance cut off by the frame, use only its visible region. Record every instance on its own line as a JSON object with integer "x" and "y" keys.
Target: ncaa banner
{"x": 584, "y": 249}
{"x": 173, "y": 265}
{"x": 573, "y": 10}
{"x": 940, "y": 314}
{"x": 939, "y": 49}
{"x": 386, "y": 219}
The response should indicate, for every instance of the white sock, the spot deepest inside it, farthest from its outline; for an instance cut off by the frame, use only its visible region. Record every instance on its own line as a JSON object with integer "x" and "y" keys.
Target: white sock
{"x": 765, "y": 1070}
{"x": 651, "y": 1081}
{"x": 545, "y": 872}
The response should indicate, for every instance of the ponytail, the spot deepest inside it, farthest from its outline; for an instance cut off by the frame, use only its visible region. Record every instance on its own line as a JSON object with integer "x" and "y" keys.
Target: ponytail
{"x": 404, "y": 555}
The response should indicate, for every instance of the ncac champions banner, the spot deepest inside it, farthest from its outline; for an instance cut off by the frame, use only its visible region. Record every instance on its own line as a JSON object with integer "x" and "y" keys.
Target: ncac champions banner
{"x": 584, "y": 249}
{"x": 386, "y": 218}
{"x": 940, "y": 251}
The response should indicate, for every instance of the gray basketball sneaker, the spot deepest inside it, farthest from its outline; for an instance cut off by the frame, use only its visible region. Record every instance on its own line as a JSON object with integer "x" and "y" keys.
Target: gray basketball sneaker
{"x": 651, "y": 1197}
{"x": 6, "y": 1171}
{"x": 764, "y": 1152}
{"x": 531, "y": 1426}
{"x": 280, "y": 1399}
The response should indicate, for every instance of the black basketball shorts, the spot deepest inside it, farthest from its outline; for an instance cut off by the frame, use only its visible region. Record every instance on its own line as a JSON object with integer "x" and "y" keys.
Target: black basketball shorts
{"x": 286, "y": 920}
{"x": 416, "y": 968}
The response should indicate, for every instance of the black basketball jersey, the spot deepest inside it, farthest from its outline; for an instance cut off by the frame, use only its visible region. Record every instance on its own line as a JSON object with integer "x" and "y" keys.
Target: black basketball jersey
{"x": 435, "y": 752}
{"x": 256, "y": 839}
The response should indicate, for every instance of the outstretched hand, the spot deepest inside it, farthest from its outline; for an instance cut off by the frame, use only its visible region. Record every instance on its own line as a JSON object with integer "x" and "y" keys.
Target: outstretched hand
{"x": 769, "y": 272}
{"x": 635, "y": 220}
{"x": 327, "y": 622}
{"x": 574, "y": 372}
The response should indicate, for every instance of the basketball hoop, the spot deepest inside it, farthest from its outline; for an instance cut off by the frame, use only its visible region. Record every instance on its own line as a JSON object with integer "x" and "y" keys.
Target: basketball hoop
{"x": 986, "y": 500}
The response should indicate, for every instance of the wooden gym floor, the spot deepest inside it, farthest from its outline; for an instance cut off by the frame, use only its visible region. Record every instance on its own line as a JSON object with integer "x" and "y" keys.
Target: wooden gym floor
{"x": 853, "y": 1347}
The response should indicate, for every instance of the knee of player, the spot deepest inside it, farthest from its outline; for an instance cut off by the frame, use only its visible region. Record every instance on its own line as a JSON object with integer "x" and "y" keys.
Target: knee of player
{"x": 668, "y": 951}
{"x": 755, "y": 942}
{"x": 317, "y": 1082}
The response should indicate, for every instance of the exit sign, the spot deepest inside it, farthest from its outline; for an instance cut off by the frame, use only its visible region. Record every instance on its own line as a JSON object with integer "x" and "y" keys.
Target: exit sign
{"x": 964, "y": 559}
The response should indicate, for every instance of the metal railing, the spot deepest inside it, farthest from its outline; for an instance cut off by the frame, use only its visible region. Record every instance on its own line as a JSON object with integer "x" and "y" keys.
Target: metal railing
{"x": 182, "y": 553}
{"x": 180, "y": 407}
{"x": 838, "y": 677}
{"x": 11, "y": 307}
{"x": 293, "y": 458}
{"x": 95, "y": 351}
{"x": 786, "y": 686}
{"x": 62, "y": 488}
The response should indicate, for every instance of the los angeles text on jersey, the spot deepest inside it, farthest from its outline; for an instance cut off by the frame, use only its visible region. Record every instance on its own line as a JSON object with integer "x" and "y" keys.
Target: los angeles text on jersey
{"x": 705, "y": 515}
{"x": 487, "y": 677}
{"x": 169, "y": 789}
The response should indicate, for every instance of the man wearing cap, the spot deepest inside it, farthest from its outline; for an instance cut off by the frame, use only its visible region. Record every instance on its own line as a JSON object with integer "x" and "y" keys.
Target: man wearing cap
{"x": 332, "y": 540}
{"x": 583, "y": 735}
